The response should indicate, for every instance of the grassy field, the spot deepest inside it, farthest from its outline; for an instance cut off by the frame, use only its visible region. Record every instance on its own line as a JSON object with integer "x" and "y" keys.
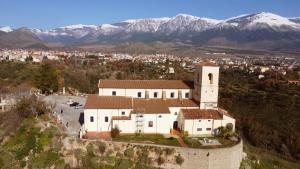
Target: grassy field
{"x": 194, "y": 143}
{"x": 152, "y": 138}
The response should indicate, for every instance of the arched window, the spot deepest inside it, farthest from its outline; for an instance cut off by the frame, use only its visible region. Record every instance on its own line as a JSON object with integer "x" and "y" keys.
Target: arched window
{"x": 210, "y": 78}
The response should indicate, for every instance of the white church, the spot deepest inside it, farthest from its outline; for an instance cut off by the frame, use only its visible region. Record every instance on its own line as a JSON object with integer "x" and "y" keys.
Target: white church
{"x": 158, "y": 106}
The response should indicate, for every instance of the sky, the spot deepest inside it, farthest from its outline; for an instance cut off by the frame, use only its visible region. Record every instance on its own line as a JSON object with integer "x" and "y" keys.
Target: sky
{"x": 48, "y": 14}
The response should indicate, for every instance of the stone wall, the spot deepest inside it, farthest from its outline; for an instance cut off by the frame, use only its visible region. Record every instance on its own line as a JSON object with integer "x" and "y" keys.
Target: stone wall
{"x": 217, "y": 158}
{"x": 220, "y": 158}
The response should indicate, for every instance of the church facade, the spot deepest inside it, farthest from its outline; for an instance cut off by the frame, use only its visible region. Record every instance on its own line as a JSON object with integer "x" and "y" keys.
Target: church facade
{"x": 158, "y": 106}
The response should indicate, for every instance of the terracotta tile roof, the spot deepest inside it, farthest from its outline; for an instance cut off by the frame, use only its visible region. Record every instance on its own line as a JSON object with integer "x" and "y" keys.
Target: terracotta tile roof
{"x": 181, "y": 103}
{"x": 108, "y": 102}
{"x": 151, "y": 106}
{"x": 160, "y": 105}
{"x": 121, "y": 118}
{"x": 137, "y": 104}
{"x": 206, "y": 63}
{"x": 201, "y": 114}
{"x": 146, "y": 84}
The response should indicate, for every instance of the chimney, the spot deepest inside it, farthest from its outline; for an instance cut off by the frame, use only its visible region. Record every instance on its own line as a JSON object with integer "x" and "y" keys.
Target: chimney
{"x": 147, "y": 95}
{"x": 164, "y": 95}
{"x": 180, "y": 95}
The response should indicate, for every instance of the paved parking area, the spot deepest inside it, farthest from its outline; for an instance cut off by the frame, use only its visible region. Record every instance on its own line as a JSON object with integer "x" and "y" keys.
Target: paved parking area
{"x": 70, "y": 117}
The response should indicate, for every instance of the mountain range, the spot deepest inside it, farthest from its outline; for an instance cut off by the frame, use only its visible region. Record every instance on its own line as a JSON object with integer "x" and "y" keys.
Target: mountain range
{"x": 259, "y": 30}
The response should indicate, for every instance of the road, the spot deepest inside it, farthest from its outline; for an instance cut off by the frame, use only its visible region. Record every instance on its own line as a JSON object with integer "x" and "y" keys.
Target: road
{"x": 70, "y": 117}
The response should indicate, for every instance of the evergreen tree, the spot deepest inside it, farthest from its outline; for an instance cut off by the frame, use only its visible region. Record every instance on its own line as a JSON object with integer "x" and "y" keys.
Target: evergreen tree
{"x": 47, "y": 79}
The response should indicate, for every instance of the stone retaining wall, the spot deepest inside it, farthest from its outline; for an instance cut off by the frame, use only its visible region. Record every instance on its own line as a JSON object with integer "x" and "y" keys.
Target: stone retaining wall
{"x": 220, "y": 158}
{"x": 217, "y": 158}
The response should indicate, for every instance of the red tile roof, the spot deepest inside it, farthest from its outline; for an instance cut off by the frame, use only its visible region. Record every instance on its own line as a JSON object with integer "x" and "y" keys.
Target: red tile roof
{"x": 137, "y": 104}
{"x": 108, "y": 102}
{"x": 201, "y": 114}
{"x": 151, "y": 106}
{"x": 146, "y": 84}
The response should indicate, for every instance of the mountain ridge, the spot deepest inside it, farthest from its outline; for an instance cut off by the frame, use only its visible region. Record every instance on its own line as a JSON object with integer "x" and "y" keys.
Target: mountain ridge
{"x": 246, "y": 28}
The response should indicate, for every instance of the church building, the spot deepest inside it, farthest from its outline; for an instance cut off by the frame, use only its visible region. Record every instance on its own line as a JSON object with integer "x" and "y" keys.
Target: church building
{"x": 158, "y": 106}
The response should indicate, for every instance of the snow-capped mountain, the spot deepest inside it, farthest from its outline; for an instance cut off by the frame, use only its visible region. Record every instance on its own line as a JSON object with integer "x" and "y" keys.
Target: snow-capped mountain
{"x": 257, "y": 27}
{"x": 6, "y": 29}
{"x": 74, "y": 31}
{"x": 182, "y": 23}
{"x": 144, "y": 25}
{"x": 263, "y": 20}
{"x": 295, "y": 19}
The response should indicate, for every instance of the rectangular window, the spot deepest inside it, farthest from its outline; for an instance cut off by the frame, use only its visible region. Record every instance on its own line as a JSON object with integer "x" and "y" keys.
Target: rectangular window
{"x": 139, "y": 94}
{"x": 150, "y": 124}
{"x": 187, "y": 95}
{"x": 172, "y": 95}
{"x": 199, "y": 129}
{"x": 91, "y": 119}
{"x": 123, "y": 112}
{"x": 114, "y": 93}
{"x": 208, "y": 120}
{"x": 208, "y": 129}
{"x": 106, "y": 119}
{"x": 155, "y": 95}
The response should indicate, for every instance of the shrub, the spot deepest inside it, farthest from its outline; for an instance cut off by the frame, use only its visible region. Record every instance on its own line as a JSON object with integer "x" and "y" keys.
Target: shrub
{"x": 160, "y": 160}
{"x": 186, "y": 133}
{"x": 224, "y": 132}
{"x": 101, "y": 147}
{"x": 158, "y": 151}
{"x": 23, "y": 108}
{"x": 179, "y": 159}
{"x": 115, "y": 132}
{"x": 1, "y": 163}
{"x": 129, "y": 152}
{"x": 169, "y": 151}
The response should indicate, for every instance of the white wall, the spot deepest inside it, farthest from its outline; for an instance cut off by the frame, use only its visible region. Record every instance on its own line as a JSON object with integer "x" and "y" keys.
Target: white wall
{"x": 90, "y": 126}
{"x": 125, "y": 126}
{"x": 191, "y": 126}
{"x": 134, "y": 92}
{"x": 161, "y": 122}
{"x": 99, "y": 124}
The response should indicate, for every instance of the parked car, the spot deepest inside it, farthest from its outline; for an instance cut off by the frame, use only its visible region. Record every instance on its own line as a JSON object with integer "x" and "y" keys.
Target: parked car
{"x": 74, "y": 104}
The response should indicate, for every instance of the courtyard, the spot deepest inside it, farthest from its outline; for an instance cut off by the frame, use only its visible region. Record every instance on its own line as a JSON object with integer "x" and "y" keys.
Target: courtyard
{"x": 70, "y": 117}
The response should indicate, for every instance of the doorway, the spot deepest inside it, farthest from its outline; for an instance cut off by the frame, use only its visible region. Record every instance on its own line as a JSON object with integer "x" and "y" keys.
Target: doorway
{"x": 175, "y": 125}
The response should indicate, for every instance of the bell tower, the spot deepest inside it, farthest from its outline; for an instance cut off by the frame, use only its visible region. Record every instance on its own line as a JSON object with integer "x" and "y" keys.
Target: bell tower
{"x": 206, "y": 85}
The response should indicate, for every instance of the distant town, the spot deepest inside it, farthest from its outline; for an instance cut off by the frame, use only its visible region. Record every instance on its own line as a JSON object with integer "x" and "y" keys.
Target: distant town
{"x": 278, "y": 63}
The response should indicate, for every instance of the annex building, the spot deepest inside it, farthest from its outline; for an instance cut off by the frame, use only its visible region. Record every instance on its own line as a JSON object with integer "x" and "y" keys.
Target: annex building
{"x": 158, "y": 106}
